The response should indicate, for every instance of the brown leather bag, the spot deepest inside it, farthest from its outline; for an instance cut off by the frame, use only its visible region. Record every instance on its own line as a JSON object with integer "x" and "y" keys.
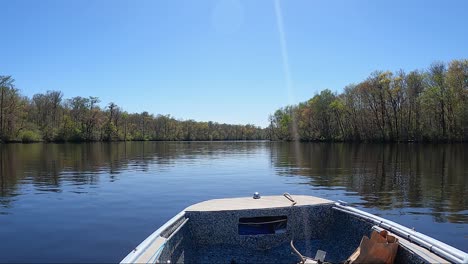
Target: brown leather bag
{"x": 380, "y": 248}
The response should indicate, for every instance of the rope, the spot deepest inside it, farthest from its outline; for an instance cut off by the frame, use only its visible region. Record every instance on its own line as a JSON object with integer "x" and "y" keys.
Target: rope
{"x": 303, "y": 259}
{"x": 156, "y": 254}
{"x": 289, "y": 197}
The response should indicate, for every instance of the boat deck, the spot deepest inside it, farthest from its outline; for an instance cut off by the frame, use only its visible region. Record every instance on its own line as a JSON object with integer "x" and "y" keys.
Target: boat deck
{"x": 248, "y": 203}
{"x": 210, "y": 232}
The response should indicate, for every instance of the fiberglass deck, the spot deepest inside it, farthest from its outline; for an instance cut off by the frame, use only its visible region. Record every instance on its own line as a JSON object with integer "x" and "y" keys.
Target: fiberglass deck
{"x": 248, "y": 203}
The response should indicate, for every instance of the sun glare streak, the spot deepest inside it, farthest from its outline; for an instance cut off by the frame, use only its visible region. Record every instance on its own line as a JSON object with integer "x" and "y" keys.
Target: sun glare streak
{"x": 286, "y": 68}
{"x": 289, "y": 83}
{"x": 284, "y": 52}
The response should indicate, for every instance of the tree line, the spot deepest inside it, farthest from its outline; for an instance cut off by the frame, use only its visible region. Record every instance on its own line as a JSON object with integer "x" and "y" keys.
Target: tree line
{"x": 49, "y": 117}
{"x": 422, "y": 105}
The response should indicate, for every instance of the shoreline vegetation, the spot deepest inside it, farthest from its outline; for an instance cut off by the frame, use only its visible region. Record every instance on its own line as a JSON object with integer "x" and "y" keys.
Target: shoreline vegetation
{"x": 47, "y": 117}
{"x": 428, "y": 105}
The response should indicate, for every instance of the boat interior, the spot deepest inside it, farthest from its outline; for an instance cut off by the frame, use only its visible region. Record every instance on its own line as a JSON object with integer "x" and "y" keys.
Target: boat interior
{"x": 271, "y": 229}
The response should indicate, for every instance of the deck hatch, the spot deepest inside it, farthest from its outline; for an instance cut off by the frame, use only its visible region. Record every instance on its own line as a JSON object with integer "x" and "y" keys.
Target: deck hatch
{"x": 262, "y": 225}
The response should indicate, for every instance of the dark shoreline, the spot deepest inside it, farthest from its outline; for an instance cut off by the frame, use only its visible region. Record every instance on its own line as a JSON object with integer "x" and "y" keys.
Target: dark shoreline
{"x": 247, "y": 140}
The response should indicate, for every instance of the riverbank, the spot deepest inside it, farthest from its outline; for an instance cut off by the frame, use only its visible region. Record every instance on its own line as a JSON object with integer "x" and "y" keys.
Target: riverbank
{"x": 246, "y": 140}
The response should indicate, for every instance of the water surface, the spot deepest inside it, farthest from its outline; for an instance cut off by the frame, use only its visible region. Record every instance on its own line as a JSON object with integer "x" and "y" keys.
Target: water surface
{"x": 95, "y": 202}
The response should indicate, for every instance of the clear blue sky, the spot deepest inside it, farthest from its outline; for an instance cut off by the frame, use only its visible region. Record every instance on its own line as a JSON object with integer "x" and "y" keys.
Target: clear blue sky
{"x": 219, "y": 60}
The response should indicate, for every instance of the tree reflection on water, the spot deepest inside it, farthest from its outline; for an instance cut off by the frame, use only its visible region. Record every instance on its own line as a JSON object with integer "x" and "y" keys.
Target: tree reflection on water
{"x": 385, "y": 176}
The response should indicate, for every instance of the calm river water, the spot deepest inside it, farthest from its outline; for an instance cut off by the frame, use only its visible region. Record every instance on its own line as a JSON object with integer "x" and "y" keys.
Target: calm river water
{"x": 96, "y": 202}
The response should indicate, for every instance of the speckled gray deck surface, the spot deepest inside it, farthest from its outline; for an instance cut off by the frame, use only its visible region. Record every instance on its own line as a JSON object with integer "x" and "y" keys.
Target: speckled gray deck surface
{"x": 212, "y": 237}
{"x": 306, "y": 222}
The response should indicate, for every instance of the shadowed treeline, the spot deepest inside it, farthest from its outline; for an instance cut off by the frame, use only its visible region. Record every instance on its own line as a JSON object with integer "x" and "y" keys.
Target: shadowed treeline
{"x": 387, "y": 176}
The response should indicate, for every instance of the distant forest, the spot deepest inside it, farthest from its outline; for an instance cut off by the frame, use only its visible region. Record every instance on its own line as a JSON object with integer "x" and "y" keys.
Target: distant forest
{"x": 422, "y": 105}
{"x": 48, "y": 117}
